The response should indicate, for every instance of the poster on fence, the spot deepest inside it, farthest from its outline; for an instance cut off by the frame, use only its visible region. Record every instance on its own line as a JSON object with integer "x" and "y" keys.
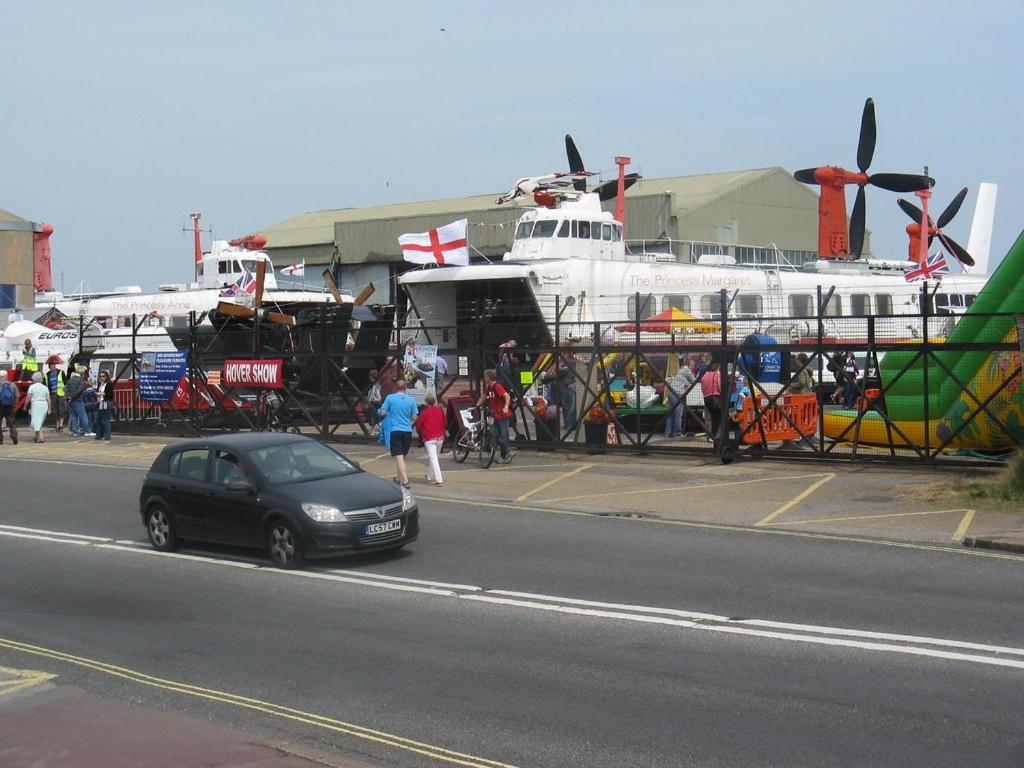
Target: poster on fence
{"x": 420, "y": 364}
{"x": 160, "y": 373}
{"x": 254, "y": 373}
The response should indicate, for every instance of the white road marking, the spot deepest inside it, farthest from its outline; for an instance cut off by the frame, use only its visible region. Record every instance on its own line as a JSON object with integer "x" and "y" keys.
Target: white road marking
{"x": 914, "y": 645}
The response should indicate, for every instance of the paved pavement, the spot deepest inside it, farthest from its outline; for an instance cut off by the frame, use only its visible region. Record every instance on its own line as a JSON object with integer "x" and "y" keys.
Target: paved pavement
{"x": 901, "y": 505}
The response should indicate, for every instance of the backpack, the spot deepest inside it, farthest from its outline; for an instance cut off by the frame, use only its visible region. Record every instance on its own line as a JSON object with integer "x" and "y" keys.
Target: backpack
{"x": 8, "y": 394}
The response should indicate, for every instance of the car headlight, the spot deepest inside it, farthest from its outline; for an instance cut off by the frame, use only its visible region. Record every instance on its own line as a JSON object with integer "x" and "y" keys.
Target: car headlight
{"x": 408, "y": 501}
{"x": 323, "y": 513}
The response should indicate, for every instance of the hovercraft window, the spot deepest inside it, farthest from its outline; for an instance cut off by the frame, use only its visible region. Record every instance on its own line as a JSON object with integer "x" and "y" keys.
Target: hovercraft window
{"x": 523, "y": 230}
{"x": 545, "y": 228}
{"x": 563, "y": 231}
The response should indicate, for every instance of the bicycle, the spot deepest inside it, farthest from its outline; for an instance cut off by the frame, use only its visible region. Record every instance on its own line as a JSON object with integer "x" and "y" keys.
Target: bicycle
{"x": 477, "y": 435}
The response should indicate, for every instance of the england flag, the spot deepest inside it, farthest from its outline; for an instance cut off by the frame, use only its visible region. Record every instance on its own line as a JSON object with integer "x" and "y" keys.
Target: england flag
{"x": 444, "y": 245}
{"x": 295, "y": 270}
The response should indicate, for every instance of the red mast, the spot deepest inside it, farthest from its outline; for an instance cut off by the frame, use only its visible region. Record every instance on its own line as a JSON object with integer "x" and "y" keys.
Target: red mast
{"x": 199, "y": 244}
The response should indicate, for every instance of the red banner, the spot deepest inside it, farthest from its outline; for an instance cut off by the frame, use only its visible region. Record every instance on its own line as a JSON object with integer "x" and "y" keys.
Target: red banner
{"x": 268, "y": 374}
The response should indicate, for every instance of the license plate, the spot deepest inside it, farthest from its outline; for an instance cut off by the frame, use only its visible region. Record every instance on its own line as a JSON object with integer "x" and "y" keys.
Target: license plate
{"x": 374, "y": 528}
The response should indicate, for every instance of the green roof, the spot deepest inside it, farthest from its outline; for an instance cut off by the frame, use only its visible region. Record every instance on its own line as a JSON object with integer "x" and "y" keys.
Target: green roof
{"x": 689, "y": 193}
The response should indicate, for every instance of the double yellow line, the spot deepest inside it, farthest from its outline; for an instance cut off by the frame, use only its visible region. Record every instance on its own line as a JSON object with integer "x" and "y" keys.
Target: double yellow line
{"x": 265, "y": 707}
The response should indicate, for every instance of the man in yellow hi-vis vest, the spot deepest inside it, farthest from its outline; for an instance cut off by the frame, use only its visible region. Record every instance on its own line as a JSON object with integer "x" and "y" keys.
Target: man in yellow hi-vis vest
{"x": 28, "y": 361}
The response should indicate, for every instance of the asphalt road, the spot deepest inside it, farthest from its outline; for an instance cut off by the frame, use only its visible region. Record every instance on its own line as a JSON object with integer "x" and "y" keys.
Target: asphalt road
{"x": 626, "y": 643}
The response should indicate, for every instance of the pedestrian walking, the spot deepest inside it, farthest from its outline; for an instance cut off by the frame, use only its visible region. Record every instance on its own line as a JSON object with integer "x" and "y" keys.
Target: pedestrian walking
{"x": 431, "y": 424}
{"x": 374, "y": 400}
{"x": 104, "y": 406}
{"x": 677, "y": 385}
{"x": 401, "y": 411}
{"x": 55, "y": 380}
{"x": 8, "y": 407}
{"x": 850, "y": 373}
{"x": 37, "y": 403}
{"x": 802, "y": 383}
{"x": 711, "y": 388}
{"x": 75, "y": 391}
{"x": 498, "y": 399}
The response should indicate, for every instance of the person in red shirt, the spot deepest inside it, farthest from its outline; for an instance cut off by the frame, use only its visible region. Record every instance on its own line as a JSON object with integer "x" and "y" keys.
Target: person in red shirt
{"x": 499, "y": 401}
{"x": 431, "y": 425}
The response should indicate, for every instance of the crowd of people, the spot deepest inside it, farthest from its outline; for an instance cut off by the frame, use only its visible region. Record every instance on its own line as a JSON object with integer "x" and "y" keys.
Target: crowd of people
{"x": 70, "y": 396}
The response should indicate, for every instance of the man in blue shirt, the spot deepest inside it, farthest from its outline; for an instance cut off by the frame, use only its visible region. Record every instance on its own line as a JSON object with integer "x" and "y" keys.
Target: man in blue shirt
{"x": 401, "y": 411}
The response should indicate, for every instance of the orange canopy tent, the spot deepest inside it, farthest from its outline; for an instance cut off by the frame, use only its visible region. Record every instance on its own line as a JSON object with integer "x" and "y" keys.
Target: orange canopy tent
{"x": 672, "y": 320}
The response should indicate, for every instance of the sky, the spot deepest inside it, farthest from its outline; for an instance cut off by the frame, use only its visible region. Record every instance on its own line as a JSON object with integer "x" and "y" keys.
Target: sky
{"x": 119, "y": 118}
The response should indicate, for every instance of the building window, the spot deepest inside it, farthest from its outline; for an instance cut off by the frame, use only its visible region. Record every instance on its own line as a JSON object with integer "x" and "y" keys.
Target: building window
{"x": 646, "y": 307}
{"x": 860, "y": 304}
{"x": 801, "y": 305}
{"x": 8, "y": 296}
{"x": 676, "y": 301}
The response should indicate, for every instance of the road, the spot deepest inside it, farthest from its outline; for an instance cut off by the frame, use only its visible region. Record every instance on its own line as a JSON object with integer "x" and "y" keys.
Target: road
{"x": 526, "y": 638}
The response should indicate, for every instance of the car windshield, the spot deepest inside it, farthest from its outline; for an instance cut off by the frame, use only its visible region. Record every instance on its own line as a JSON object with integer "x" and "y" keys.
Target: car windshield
{"x": 300, "y": 462}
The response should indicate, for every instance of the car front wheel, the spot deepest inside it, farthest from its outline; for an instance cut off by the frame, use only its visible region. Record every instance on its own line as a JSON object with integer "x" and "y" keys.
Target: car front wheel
{"x": 163, "y": 534}
{"x": 284, "y": 545}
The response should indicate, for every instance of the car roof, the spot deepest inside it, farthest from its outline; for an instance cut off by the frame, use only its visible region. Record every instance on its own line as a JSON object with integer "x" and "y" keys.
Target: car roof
{"x": 238, "y": 441}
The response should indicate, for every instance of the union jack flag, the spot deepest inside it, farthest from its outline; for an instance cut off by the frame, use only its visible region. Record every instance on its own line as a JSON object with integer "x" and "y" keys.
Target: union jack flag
{"x": 246, "y": 284}
{"x": 935, "y": 266}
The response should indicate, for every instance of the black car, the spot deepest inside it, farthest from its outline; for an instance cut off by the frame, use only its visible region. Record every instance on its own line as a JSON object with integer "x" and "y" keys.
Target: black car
{"x": 290, "y": 494}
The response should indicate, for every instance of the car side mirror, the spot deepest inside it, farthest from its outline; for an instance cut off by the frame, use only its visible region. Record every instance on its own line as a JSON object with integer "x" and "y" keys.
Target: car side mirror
{"x": 241, "y": 486}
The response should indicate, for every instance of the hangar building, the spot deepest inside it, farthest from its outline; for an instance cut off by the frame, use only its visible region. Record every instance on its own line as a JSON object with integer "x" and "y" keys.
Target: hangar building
{"x": 760, "y": 215}
{"x": 17, "y": 264}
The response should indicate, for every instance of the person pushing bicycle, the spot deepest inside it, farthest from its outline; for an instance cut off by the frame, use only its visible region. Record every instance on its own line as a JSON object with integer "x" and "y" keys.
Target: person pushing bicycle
{"x": 498, "y": 399}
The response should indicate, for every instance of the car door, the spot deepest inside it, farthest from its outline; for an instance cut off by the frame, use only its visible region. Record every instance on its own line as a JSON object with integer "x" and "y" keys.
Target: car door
{"x": 233, "y": 517}
{"x": 188, "y": 491}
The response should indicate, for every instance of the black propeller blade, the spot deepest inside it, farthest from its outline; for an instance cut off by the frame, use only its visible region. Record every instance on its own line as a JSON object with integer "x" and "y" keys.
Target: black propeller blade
{"x": 610, "y": 189}
{"x": 857, "y": 224}
{"x": 575, "y": 163}
{"x": 806, "y": 176}
{"x": 912, "y": 211}
{"x": 866, "y": 145}
{"x": 901, "y": 182}
{"x": 956, "y": 249}
{"x": 952, "y": 209}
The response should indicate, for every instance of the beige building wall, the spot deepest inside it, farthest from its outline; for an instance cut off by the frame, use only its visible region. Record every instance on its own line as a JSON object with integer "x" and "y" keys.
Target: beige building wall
{"x": 16, "y": 259}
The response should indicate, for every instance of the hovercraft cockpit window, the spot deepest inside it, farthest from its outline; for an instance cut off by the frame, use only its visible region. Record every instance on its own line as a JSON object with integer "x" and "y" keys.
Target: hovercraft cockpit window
{"x": 523, "y": 230}
{"x": 545, "y": 228}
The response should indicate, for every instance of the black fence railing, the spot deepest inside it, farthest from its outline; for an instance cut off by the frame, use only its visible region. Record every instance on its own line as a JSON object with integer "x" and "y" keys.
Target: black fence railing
{"x": 915, "y": 387}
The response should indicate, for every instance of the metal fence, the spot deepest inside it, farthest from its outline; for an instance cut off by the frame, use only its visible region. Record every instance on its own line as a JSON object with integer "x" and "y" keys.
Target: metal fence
{"x": 922, "y": 387}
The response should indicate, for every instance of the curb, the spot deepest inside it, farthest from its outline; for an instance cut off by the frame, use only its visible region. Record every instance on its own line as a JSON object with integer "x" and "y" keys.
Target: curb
{"x": 1004, "y": 543}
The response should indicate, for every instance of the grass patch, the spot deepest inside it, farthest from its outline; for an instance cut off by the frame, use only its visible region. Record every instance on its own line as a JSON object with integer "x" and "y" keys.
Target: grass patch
{"x": 1006, "y": 488}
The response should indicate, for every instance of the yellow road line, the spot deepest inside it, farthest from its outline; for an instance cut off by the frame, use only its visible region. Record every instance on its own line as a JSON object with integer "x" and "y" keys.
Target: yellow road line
{"x": 795, "y": 500}
{"x": 968, "y": 551}
{"x": 378, "y": 456}
{"x": 965, "y": 523}
{"x": 690, "y": 487}
{"x": 269, "y": 708}
{"x": 552, "y": 481}
{"x": 22, "y": 679}
{"x": 867, "y": 517}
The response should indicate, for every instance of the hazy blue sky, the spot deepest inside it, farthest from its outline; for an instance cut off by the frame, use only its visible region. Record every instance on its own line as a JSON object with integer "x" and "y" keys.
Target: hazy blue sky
{"x": 121, "y": 117}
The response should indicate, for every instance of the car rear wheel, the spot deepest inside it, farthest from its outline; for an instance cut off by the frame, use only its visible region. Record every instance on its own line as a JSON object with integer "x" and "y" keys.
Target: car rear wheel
{"x": 160, "y": 527}
{"x": 284, "y": 545}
